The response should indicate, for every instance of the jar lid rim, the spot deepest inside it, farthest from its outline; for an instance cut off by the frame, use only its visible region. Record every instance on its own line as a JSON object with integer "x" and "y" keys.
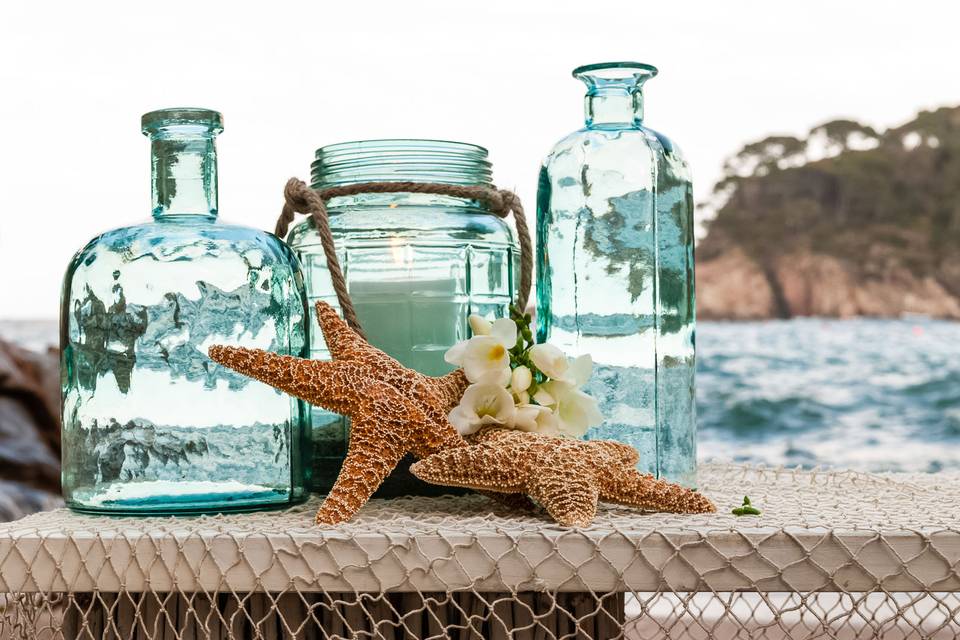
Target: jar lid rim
{"x": 401, "y": 160}
{"x": 401, "y": 143}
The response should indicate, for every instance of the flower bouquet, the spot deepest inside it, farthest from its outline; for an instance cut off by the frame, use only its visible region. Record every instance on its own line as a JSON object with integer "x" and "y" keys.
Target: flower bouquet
{"x": 518, "y": 384}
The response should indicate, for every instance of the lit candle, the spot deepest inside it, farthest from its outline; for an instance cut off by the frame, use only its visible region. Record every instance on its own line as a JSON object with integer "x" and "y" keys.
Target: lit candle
{"x": 409, "y": 312}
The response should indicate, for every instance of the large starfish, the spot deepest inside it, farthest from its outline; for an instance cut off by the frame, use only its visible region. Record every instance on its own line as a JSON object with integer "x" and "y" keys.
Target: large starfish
{"x": 567, "y": 477}
{"x": 393, "y": 410}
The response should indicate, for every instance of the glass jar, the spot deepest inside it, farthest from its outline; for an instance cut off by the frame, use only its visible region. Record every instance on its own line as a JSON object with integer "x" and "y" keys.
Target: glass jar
{"x": 150, "y": 424}
{"x": 416, "y": 266}
{"x": 615, "y": 269}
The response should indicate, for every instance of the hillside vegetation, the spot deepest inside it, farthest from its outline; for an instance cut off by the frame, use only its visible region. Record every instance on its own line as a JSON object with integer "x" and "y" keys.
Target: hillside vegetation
{"x": 848, "y": 221}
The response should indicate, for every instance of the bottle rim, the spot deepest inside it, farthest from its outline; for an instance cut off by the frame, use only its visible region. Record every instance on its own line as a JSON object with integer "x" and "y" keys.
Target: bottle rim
{"x": 178, "y": 116}
{"x": 636, "y": 67}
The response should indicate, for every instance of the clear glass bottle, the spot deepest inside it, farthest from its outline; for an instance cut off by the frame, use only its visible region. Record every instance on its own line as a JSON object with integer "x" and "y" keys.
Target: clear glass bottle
{"x": 150, "y": 424}
{"x": 615, "y": 269}
{"x": 416, "y": 266}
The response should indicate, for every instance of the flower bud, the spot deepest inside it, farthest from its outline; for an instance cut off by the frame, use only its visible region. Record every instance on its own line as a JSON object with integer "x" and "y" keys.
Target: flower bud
{"x": 521, "y": 379}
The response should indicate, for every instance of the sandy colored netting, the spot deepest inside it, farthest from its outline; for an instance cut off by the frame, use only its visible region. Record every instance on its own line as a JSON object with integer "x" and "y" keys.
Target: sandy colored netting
{"x": 835, "y": 554}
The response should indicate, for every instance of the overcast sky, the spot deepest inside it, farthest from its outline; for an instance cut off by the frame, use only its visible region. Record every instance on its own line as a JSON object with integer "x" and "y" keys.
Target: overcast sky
{"x": 289, "y": 77}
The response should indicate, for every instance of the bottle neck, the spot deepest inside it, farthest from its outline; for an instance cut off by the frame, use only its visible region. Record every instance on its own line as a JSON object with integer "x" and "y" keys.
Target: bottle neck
{"x": 614, "y": 93}
{"x": 614, "y": 106}
{"x": 183, "y": 173}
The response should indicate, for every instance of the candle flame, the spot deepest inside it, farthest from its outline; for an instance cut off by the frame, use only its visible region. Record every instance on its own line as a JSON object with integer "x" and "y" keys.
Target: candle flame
{"x": 401, "y": 252}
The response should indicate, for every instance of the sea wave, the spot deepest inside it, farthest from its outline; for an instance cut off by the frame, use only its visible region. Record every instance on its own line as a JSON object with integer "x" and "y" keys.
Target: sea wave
{"x": 877, "y": 395}
{"x": 866, "y": 394}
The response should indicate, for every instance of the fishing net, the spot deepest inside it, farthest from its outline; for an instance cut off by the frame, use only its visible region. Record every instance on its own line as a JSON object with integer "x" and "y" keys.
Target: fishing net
{"x": 834, "y": 554}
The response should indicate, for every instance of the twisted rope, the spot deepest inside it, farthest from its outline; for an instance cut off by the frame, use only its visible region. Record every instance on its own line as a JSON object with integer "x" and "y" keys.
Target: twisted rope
{"x": 300, "y": 198}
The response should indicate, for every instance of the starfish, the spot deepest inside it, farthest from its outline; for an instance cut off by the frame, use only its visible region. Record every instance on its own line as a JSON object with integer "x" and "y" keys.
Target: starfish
{"x": 567, "y": 477}
{"x": 393, "y": 410}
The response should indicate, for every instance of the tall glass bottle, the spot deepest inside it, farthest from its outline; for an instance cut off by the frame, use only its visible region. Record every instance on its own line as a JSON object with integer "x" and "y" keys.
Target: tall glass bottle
{"x": 150, "y": 424}
{"x": 615, "y": 269}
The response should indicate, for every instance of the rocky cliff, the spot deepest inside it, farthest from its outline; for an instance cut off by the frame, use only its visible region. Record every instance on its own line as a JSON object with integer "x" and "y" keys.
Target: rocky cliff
{"x": 847, "y": 221}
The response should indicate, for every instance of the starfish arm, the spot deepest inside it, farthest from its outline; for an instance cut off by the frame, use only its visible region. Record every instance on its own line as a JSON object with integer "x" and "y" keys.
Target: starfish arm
{"x": 569, "y": 495}
{"x": 474, "y": 467}
{"x": 444, "y": 437}
{"x": 631, "y": 488}
{"x": 319, "y": 382}
{"x": 379, "y": 438}
{"x": 450, "y": 388}
{"x": 360, "y": 476}
{"x": 342, "y": 341}
{"x": 439, "y": 434}
{"x": 623, "y": 454}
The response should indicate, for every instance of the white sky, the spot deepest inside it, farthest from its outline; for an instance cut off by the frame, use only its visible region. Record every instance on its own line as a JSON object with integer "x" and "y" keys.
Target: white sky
{"x": 291, "y": 76}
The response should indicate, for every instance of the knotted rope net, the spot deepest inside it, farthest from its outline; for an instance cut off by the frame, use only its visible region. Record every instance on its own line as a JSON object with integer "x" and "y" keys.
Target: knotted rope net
{"x": 833, "y": 555}
{"x": 300, "y": 198}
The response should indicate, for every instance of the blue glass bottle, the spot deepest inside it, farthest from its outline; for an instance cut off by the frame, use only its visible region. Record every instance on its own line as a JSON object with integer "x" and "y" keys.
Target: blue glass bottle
{"x": 416, "y": 264}
{"x": 615, "y": 269}
{"x": 150, "y": 424}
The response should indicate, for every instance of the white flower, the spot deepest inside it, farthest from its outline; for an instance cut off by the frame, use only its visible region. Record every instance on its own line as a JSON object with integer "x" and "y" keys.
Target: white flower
{"x": 521, "y": 379}
{"x": 533, "y": 417}
{"x": 549, "y": 360}
{"x": 575, "y": 410}
{"x": 500, "y": 377}
{"x": 544, "y": 398}
{"x": 499, "y": 396}
{"x": 479, "y": 325}
{"x": 481, "y": 405}
{"x": 554, "y": 364}
{"x": 486, "y": 358}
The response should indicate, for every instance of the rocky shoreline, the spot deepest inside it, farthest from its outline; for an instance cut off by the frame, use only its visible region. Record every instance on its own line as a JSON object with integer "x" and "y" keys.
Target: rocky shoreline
{"x": 736, "y": 287}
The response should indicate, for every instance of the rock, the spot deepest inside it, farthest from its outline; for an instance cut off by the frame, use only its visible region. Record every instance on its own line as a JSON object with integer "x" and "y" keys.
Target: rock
{"x": 814, "y": 285}
{"x": 733, "y": 287}
{"x": 18, "y": 500}
{"x": 29, "y": 431}
{"x": 866, "y": 225}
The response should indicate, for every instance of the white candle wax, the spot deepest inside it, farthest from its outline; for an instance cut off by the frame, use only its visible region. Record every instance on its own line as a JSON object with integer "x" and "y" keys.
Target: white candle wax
{"x": 415, "y": 321}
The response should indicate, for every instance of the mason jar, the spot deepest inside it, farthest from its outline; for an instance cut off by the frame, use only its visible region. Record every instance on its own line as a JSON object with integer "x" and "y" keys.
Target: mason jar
{"x": 416, "y": 266}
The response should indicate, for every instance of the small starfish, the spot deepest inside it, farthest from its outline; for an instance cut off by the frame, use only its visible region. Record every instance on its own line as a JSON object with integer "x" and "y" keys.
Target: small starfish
{"x": 567, "y": 477}
{"x": 393, "y": 410}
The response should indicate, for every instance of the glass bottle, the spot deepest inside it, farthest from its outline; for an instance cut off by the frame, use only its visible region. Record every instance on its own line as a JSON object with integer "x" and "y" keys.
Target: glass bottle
{"x": 615, "y": 269}
{"x": 150, "y": 424}
{"x": 416, "y": 266}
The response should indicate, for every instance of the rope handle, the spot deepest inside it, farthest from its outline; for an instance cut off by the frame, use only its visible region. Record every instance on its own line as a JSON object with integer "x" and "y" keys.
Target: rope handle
{"x": 300, "y": 198}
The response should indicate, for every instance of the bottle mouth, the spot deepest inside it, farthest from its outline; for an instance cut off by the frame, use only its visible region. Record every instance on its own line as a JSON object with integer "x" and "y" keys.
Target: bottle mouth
{"x": 190, "y": 117}
{"x": 401, "y": 160}
{"x": 615, "y": 74}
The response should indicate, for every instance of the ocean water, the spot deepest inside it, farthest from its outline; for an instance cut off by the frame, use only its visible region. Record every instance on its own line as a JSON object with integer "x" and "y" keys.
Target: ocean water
{"x": 879, "y": 395}
{"x": 864, "y": 394}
